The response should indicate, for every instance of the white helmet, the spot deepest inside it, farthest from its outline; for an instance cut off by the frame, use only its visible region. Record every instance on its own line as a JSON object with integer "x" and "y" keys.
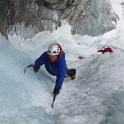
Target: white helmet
{"x": 53, "y": 49}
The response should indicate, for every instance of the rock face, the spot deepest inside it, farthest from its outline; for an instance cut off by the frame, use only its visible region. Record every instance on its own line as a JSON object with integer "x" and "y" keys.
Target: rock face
{"x": 87, "y": 17}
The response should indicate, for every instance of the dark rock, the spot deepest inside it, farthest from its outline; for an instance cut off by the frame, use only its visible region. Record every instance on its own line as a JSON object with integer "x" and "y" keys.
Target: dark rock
{"x": 87, "y": 17}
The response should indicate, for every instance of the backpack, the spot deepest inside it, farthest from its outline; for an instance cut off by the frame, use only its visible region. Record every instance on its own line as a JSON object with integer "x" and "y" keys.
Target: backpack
{"x": 108, "y": 49}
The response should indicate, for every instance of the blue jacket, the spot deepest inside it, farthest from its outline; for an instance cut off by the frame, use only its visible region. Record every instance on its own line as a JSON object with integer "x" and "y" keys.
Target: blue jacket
{"x": 57, "y": 68}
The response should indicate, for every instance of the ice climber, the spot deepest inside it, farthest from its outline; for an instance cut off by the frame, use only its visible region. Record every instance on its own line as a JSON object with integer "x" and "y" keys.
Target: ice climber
{"x": 54, "y": 61}
{"x": 108, "y": 49}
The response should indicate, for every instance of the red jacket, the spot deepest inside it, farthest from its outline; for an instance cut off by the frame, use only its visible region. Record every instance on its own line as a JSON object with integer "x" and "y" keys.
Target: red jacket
{"x": 108, "y": 49}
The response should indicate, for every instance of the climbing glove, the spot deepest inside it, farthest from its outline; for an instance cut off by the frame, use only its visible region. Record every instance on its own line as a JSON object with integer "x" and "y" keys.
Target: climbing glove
{"x": 56, "y": 91}
{"x": 36, "y": 68}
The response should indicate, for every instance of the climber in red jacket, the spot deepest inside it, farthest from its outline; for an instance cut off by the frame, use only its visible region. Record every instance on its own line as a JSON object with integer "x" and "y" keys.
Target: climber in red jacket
{"x": 108, "y": 49}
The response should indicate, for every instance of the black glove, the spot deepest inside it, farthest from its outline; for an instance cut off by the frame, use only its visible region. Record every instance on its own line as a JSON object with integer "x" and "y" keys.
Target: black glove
{"x": 36, "y": 68}
{"x": 56, "y": 91}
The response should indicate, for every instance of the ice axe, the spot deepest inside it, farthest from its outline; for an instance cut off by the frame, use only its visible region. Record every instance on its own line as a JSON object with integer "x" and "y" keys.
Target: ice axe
{"x": 28, "y": 67}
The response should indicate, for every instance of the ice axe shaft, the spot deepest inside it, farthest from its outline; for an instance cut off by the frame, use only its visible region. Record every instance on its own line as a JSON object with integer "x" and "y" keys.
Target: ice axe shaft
{"x": 53, "y": 100}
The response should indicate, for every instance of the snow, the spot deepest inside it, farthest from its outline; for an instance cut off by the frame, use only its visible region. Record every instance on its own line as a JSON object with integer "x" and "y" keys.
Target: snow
{"x": 96, "y": 96}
